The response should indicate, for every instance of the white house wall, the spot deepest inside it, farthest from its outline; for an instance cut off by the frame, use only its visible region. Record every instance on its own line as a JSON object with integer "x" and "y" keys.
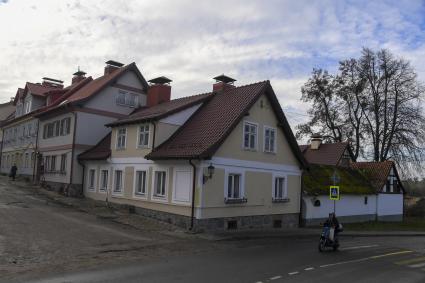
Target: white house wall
{"x": 350, "y": 208}
{"x": 390, "y": 206}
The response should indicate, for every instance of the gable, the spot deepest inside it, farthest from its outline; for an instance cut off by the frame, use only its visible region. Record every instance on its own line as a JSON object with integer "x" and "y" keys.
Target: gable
{"x": 261, "y": 114}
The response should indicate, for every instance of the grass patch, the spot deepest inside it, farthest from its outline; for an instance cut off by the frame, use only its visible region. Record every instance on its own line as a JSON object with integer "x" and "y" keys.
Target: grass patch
{"x": 408, "y": 224}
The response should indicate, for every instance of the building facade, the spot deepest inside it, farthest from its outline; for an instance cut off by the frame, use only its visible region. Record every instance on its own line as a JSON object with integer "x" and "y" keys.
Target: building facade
{"x": 221, "y": 160}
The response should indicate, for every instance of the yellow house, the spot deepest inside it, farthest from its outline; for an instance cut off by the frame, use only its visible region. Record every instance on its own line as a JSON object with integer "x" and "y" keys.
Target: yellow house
{"x": 221, "y": 160}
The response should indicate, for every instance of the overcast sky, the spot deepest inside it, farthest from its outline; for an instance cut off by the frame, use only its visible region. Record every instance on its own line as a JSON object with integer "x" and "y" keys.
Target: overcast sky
{"x": 193, "y": 41}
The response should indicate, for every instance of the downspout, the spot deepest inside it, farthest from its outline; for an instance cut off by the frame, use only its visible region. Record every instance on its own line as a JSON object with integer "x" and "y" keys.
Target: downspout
{"x": 1, "y": 146}
{"x": 35, "y": 152}
{"x": 192, "y": 213}
{"x": 154, "y": 133}
{"x": 84, "y": 174}
{"x": 300, "y": 218}
{"x": 71, "y": 171}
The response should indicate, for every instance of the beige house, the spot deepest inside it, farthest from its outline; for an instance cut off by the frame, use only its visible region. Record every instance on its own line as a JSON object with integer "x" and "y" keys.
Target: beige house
{"x": 220, "y": 160}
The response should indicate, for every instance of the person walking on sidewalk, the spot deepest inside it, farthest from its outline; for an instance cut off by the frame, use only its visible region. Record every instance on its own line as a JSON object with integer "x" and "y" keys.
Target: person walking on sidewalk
{"x": 13, "y": 171}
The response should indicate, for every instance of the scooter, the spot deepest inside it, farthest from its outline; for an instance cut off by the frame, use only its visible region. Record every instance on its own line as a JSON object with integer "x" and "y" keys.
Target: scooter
{"x": 326, "y": 241}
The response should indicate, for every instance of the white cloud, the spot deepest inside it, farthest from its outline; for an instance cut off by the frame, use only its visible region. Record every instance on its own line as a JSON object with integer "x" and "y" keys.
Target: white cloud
{"x": 192, "y": 41}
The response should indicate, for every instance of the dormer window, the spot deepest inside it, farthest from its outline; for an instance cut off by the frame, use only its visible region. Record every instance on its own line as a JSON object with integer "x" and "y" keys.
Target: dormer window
{"x": 126, "y": 99}
{"x": 269, "y": 139}
{"x": 143, "y": 136}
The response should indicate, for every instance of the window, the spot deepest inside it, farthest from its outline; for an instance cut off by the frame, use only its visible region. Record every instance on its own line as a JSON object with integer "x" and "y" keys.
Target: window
{"x": 27, "y": 160}
{"x": 56, "y": 125}
{"x": 121, "y": 135}
{"x": 92, "y": 174}
{"x": 159, "y": 183}
{"x": 126, "y": 99}
{"x": 63, "y": 163}
{"x": 29, "y": 130}
{"x": 53, "y": 163}
{"x": 121, "y": 98}
{"x": 130, "y": 100}
{"x": 365, "y": 200}
{"x": 234, "y": 186}
{"x": 279, "y": 188}
{"x": 269, "y": 139}
{"x": 118, "y": 181}
{"x": 104, "y": 180}
{"x": 144, "y": 136}
{"x": 250, "y": 136}
{"x": 47, "y": 163}
{"x": 140, "y": 182}
{"x": 50, "y": 130}
{"x": 65, "y": 126}
{"x": 27, "y": 107}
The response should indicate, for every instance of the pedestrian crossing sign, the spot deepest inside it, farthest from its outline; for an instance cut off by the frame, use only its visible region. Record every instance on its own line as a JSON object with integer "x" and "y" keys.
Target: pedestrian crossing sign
{"x": 334, "y": 192}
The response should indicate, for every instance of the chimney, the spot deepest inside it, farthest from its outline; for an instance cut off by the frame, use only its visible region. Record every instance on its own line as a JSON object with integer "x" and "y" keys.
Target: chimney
{"x": 159, "y": 91}
{"x": 78, "y": 76}
{"x": 222, "y": 83}
{"x": 52, "y": 82}
{"x": 316, "y": 141}
{"x": 112, "y": 66}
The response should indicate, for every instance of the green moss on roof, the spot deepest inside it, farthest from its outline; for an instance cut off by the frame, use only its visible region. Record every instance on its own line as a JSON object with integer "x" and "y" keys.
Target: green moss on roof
{"x": 318, "y": 179}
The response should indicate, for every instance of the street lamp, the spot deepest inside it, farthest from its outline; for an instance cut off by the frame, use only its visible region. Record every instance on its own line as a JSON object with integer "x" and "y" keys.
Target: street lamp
{"x": 210, "y": 170}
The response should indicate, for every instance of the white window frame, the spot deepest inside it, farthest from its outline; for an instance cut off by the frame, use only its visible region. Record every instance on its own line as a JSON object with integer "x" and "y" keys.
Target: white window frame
{"x": 154, "y": 196}
{"x": 114, "y": 183}
{"x": 256, "y": 136}
{"x": 139, "y": 133}
{"x": 285, "y": 187}
{"x": 102, "y": 188}
{"x": 275, "y": 139}
{"x": 235, "y": 171}
{"x": 91, "y": 187}
{"x": 118, "y": 136}
{"x": 136, "y": 193}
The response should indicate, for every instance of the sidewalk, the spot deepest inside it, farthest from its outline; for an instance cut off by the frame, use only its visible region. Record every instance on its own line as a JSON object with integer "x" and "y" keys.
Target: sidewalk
{"x": 121, "y": 214}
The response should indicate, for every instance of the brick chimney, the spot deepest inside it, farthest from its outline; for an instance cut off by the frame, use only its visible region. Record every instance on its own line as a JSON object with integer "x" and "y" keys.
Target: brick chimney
{"x": 222, "y": 83}
{"x": 78, "y": 76}
{"x": 316, "y": 141}
{"x": 159, "y": 91}
{"x": 112, "y": 66}
{"x": 52, "y": 82}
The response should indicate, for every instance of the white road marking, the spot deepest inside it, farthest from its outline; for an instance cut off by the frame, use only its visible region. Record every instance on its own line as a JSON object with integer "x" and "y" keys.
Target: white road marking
{"x": 366, "y": 258}
{"x": 345, "y": 262}
{"x": 417, "y": 265}
{"x": 276, "y": 277}
{"x": 358, "y": 247}
{"x": 293, "y": 273}
{"x": 309, "y": 268}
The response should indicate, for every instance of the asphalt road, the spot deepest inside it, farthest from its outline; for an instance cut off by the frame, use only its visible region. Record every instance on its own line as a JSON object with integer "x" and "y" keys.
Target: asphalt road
{"x": 285, "y": 260}
{"x": 43, "y": 242}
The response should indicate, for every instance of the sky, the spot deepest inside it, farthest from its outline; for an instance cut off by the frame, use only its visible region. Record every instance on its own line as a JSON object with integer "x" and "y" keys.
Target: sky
{"x": 193, "y": 41}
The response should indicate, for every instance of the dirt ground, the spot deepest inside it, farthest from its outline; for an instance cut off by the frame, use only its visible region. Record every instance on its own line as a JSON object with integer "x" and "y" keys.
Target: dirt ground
{"x": 40, "y": 235}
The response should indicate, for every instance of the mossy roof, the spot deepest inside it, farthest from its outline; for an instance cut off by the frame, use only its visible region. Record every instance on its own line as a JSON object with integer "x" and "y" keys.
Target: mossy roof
{"x": 317, "y": 179}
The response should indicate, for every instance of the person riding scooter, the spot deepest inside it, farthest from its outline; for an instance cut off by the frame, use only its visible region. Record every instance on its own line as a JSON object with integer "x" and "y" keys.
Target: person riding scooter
{"x": 329, "y": 237}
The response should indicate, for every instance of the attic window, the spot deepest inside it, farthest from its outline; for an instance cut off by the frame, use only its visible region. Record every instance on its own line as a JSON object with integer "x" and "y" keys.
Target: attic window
{"x": 316, "y": 203}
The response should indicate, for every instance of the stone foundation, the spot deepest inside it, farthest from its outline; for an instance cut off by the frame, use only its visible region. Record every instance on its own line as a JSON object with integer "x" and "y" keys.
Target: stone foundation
{"x": 341, "y": 219}
{"x": 74, "y": 190}
{"x": 219, "y": 224}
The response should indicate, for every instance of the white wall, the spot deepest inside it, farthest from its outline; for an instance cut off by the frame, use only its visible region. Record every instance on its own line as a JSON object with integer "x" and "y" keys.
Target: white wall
{"x": 349, "y": 205}
{"x": 390, "y": 204}
{"x": 106, "y": 99}
{"x": 59, "y": 140}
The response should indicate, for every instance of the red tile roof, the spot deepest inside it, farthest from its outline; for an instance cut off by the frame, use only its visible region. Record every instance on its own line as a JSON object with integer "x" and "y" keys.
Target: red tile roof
{"x": 89, "y": 87}
{"x": 100, "y": 151}
{"x": 38, "y": 89}
{"x": 162, "y": 110}
{"x": 207, "y": 129}
{"x": 377, "y": 172}
{"x": 327, "y": 154}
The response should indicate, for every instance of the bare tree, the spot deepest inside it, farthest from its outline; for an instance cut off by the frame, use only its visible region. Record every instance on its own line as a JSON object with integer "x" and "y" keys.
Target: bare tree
{"x": 378, "y": 100}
